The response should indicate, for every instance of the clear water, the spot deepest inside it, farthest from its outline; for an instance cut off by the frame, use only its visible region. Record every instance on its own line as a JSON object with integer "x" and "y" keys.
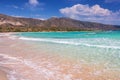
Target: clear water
{"x": 89, "y": 47}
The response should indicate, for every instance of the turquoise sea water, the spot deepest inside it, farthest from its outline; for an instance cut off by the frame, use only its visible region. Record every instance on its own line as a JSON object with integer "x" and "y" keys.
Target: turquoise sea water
{"x": 89, "y": 47}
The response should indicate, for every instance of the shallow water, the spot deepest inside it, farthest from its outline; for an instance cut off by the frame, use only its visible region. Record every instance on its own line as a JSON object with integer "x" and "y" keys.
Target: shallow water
{"x": 95, "y": 47}
{"x": 61, "y": 56}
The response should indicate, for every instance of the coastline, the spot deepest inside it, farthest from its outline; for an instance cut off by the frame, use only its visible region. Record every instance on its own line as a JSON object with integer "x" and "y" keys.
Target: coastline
{"x": 47, "y": 65}
{"x": 3, "y": 69}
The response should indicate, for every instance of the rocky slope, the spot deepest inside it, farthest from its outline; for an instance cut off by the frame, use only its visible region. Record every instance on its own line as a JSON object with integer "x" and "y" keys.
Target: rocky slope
{"x": 9, "y": 23}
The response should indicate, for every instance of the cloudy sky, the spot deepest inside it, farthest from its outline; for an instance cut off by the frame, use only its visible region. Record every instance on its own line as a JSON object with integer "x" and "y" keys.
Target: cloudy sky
{"x": 103, "y": 11}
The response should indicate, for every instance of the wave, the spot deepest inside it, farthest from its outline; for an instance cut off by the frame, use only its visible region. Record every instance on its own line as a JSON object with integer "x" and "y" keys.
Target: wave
{"x": 13, "y": 75}
{"x": 40, "y": 70}
{"x": 103, "y": 43}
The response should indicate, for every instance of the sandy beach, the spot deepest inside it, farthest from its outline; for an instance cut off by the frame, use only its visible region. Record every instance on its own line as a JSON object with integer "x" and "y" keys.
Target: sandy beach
{"x": 3, "y": 75}
{"x": 41, "y": 66}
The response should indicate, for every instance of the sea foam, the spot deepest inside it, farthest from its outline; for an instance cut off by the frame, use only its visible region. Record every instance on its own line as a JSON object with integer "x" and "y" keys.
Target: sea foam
{"x": 40, "y": 70}
{"x": 80, "y": 42}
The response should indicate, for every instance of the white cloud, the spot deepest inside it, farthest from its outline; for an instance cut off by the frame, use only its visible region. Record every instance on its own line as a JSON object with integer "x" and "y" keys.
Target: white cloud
{"x": 34, "y": 3}
{"x": 18, "y": 16}
{"x": 91, "y": 13}
{"x": 41, "y": 19}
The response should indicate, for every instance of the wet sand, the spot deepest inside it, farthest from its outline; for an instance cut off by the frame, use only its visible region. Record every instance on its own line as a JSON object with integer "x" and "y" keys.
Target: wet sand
{"x": 29, "y": 64}
{"x": 3, "y": 75}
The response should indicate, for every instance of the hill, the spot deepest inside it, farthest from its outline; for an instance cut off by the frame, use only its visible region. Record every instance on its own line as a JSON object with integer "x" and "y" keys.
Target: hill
{"x": 16, "y": 24}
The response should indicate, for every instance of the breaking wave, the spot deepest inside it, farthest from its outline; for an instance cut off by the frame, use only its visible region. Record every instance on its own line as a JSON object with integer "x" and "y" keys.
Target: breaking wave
{"x": 97, "y": 42}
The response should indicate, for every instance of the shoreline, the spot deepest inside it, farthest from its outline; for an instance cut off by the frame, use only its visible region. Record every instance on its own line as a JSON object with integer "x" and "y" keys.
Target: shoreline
{"x": 58, "y": 31}
{"x": 42, "y": 65}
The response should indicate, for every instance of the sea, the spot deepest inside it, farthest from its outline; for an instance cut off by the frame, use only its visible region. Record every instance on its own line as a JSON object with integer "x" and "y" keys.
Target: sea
{"x": 84, "y": 55}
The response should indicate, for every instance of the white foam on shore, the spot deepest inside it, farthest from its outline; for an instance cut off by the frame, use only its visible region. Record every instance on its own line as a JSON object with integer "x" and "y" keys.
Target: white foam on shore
{"x": 40, "y": 70}
{"x": 74, "y": 42}
{"x": 9, "y": 35}
{"x": 5, "y": 34}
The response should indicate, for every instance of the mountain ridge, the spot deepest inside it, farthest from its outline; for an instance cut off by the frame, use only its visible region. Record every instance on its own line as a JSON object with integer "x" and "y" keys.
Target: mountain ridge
{"x": 21, "y": 24}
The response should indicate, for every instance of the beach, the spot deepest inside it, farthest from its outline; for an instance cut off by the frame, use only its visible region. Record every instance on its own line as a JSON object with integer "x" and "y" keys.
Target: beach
{"x": 3, "y": 75}
{"x": 26, "y": 61}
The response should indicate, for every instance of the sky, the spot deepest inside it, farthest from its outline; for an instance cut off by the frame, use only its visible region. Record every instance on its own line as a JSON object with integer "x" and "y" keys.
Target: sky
{"x": 101, "y": 11}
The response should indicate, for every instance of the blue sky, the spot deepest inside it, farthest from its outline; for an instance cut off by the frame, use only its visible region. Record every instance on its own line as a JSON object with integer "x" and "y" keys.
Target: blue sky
{"x": 103, "y": 11}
